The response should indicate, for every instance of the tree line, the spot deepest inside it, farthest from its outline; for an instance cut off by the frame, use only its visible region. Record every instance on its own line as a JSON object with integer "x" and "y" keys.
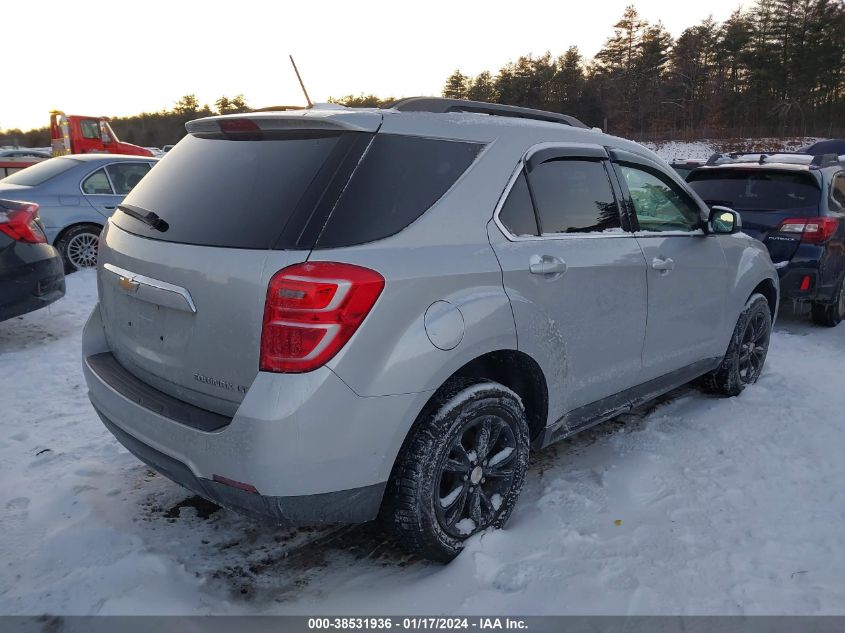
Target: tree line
{"x": 777, "y": 69}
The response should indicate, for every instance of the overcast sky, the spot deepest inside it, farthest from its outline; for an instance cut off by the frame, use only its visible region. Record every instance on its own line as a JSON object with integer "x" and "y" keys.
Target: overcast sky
{"x": 110, "y": 57}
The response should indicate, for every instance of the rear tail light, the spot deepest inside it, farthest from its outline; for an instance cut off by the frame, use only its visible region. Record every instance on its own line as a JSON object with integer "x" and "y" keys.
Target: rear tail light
{"x": 312, "y": 310}
{"x": 20, "y": 222}
{"x": 812, "y": 230}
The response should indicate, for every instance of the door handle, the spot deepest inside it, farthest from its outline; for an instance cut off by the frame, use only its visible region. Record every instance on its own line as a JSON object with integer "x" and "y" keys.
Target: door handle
{"x": 546, "y": 265}
{"x": 663, "y": 263}
{"x": 110, "y": 207}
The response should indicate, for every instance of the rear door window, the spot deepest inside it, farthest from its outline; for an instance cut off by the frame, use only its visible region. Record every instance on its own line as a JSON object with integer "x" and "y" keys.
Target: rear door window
{"x": 97, "y": 183}
{"x": 573, "y": 196}
{"x": 399, "y": 178}
{"x": 230, "y": 193}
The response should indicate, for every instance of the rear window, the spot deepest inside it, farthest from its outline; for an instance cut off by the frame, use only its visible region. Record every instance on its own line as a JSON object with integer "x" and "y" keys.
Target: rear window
{"x": 229, "y": 193}
{"x": 399, "y": 178}
{"x": 757, "y": 190}
{"x": 41, "y": 172}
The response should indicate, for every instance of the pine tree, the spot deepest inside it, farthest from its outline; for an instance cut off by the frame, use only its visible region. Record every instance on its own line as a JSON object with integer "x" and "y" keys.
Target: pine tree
{"x": 456, "y": 86}
{"x": 482, "y": 88}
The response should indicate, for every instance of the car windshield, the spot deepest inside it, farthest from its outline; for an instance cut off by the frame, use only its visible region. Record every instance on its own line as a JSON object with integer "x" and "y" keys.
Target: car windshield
{"x": 41, "y": 173}
{"x": 756, "y": 190}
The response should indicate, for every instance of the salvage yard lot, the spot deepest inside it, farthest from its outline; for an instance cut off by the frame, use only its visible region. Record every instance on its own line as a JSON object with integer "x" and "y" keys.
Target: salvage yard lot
{"x": 698, "y": 505}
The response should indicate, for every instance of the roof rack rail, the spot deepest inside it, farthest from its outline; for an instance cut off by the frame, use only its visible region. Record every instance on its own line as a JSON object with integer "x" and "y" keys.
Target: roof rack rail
{"x": 440, "y": 105}
{"x": 817, "y": 161}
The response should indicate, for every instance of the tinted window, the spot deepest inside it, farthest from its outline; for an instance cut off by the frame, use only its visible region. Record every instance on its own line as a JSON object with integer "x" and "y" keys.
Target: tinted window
{"x": 232, "y": 193}
{"x": 399, "y": 178}
{"x": 683, "y": 171}
{"x": 125, "y": 176}
{"x": 42, "y": 172}
{"x": 517, "y": 214}
{"x": 837, "y": 189}
{"x": 757, "y": 189}
{"x": 658, "y": 203}
{"x": 90, "y": 128}
{"x": 97, "y": 183}
{"x": 573, "y": 196}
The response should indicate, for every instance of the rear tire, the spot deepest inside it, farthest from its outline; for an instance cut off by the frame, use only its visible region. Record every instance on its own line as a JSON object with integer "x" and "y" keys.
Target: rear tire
{"x": 830, "y": 314}
{"x": 460, "y": 470}
{"x": 78, "y": 247}
{"x": 747, "y": 350}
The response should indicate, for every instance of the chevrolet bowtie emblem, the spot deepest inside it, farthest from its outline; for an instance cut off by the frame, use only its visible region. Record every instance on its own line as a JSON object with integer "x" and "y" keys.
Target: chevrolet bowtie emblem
{"x": 128, "y": 284}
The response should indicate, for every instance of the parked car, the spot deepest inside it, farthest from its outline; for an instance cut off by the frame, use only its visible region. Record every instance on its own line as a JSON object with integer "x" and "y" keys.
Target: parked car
{"x": 338, "y": 315}
{"x": 795, "y": 205}
{"x": 31, "y": 271}
{"x": 830, "y": 146}
{"x": 685, "y": 166}
{"x": 76, "y": 195}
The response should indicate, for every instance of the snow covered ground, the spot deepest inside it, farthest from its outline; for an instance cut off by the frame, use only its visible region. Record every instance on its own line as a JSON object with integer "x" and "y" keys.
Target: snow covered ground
{"x": 700, "y": 505}
{"x": 702, "y": 150}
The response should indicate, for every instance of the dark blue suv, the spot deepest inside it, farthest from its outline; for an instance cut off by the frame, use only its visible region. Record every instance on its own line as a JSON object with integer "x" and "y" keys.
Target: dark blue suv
{"x": 795, "y": 205}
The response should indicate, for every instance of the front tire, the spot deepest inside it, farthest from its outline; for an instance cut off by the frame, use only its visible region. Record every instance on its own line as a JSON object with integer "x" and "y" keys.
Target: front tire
{"x": 747, "y": 351}
{"x": 460, "y": 470}
{"x": 830, "y": 314}
{"x": 78, "y": 247}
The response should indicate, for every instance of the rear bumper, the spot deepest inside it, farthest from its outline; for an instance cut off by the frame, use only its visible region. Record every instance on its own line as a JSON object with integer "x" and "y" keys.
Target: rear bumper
{"x": 346, "y": 506}
{"x": 33, "y": 285}
{"x": 314, "y": 451}
{"x": 819, "y": 288}
{"x": 823, "y": 267}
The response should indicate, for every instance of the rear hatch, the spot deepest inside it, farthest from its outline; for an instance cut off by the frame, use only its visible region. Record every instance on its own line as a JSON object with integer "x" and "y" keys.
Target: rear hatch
{"x": 185, "y": 261}
{"x": 764, "y": 198}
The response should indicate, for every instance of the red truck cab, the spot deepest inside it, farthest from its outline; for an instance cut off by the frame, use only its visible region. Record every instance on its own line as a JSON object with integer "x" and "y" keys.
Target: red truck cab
{"x": 75, "y": 134}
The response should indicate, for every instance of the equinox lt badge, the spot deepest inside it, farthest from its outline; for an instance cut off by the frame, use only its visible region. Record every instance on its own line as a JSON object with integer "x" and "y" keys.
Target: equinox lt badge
{"x": 216, "y": 382}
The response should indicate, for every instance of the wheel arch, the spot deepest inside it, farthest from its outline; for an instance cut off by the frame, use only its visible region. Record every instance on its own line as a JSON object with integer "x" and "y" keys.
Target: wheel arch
{"x": 512, "y": 368}
{"x": 767, "y": 289}
{"x": 65, "y": 230}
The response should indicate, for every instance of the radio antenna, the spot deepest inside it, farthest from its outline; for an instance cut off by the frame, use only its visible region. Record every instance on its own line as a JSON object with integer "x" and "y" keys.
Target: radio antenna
{"x": 305, "y": 92}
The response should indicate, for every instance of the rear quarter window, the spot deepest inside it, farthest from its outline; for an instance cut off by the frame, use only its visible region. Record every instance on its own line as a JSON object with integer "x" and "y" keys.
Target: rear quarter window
{"x": 399, "y": 178}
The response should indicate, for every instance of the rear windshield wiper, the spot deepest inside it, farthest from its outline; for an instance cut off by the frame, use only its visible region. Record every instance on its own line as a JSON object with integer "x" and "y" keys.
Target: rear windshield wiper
{"x": 147, "y": 217}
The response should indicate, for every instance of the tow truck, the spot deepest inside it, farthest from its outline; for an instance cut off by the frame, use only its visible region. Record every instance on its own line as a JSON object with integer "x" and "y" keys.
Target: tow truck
{"x": 75, "y": 134}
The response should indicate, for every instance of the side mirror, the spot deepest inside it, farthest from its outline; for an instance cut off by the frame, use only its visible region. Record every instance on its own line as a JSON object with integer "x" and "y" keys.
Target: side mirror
{"x": 106, "y": 139}
{"x": 724, "y": 221}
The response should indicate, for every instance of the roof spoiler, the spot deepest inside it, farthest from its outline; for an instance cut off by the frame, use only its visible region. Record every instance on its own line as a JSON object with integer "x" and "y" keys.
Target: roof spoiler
{"x": 342, "y": 120}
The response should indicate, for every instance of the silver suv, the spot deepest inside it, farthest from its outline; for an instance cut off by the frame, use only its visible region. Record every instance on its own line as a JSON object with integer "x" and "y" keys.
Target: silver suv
{"x": 342, "y": 315}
